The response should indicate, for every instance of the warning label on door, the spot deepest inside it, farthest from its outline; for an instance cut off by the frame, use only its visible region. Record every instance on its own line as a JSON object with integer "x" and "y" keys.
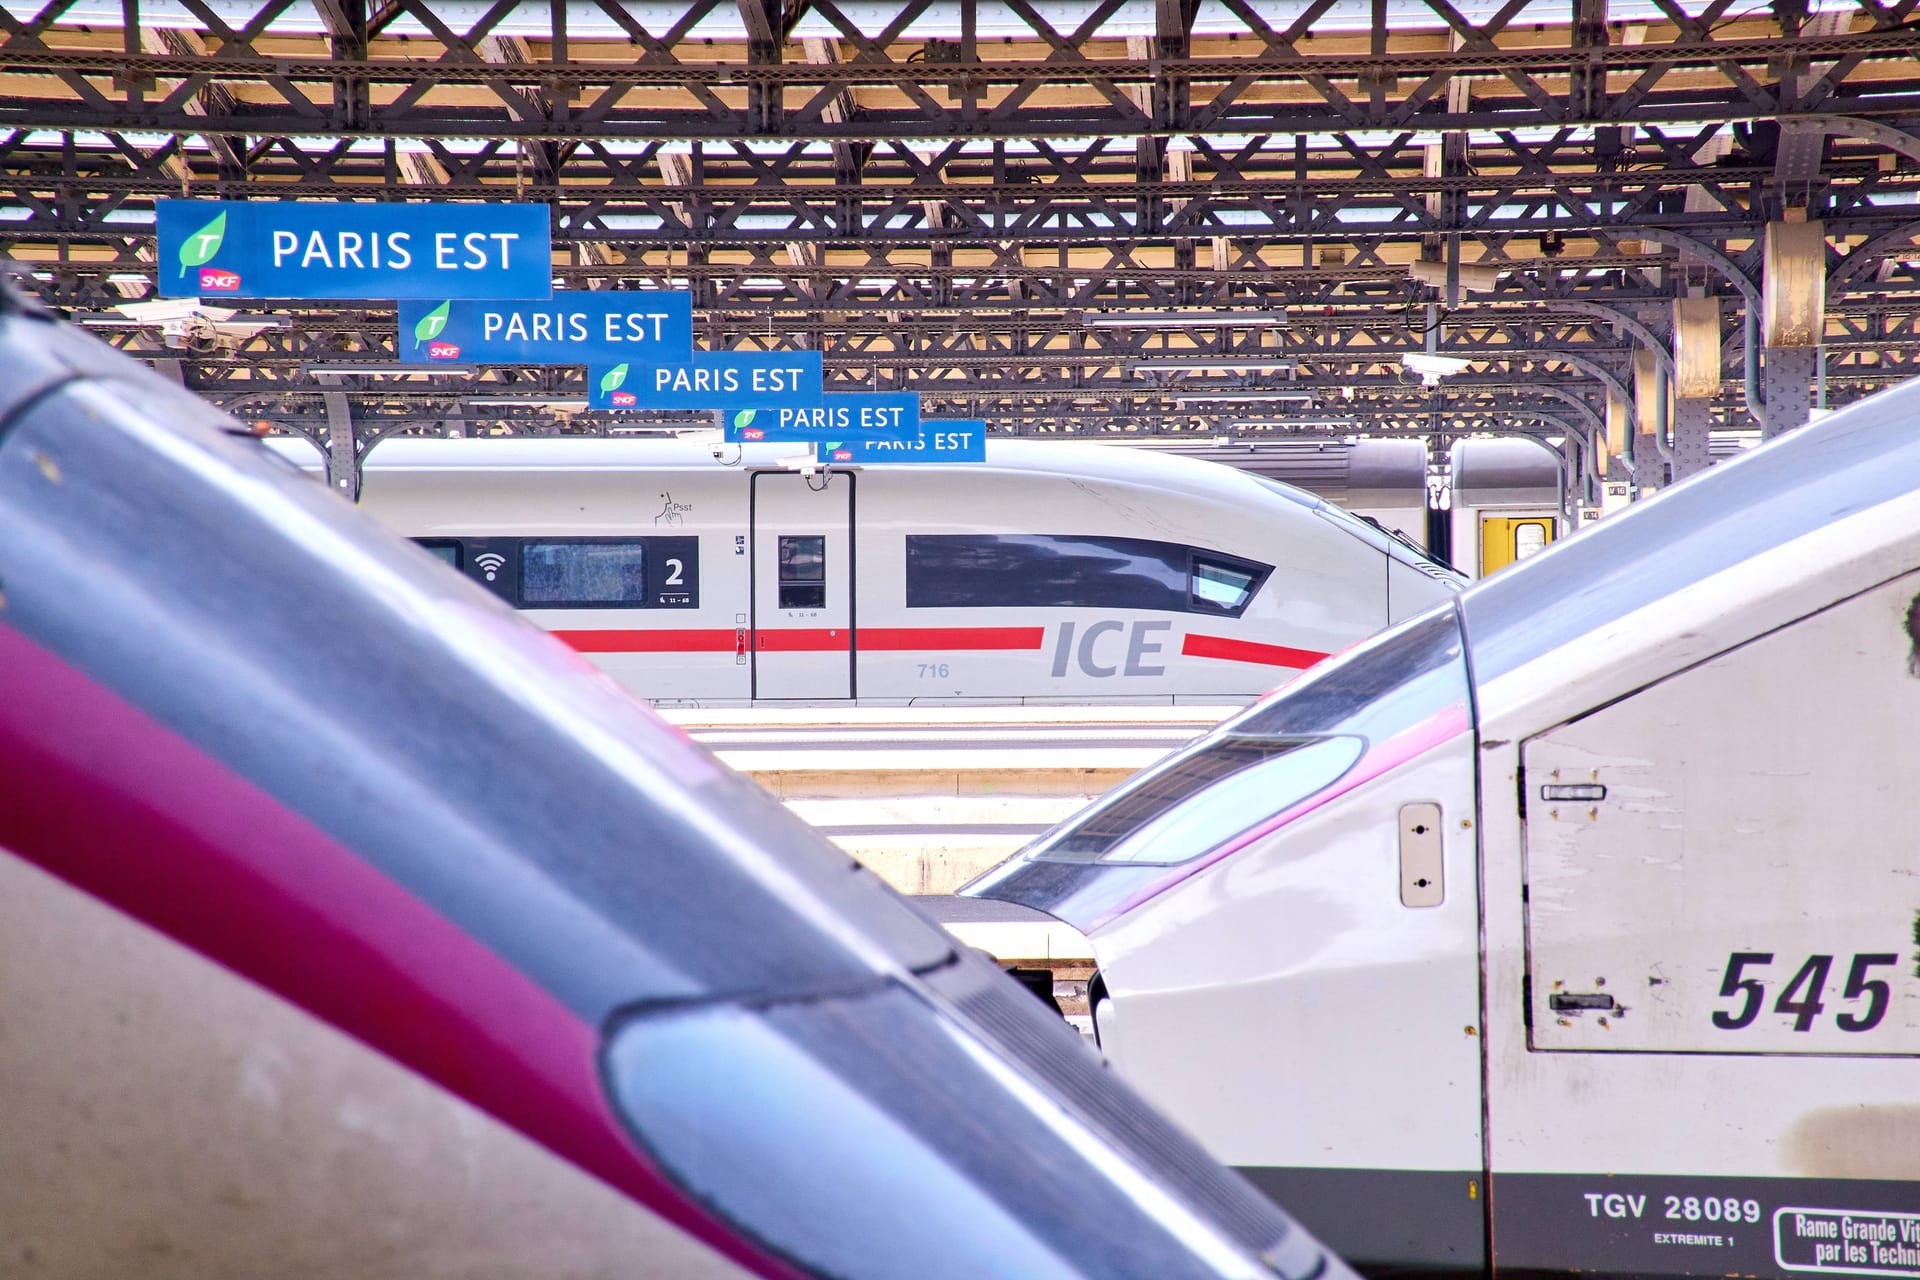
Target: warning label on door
{"x": 1855, "y": 1242}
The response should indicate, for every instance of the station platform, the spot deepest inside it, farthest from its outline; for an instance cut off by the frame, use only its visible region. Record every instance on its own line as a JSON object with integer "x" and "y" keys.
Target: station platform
{"x": 1007, "y": 931}
{"x": 929, "y": 798}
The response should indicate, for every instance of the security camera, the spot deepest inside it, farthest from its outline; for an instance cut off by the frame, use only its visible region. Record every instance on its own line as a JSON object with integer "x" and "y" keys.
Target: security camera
{"x": 196, "y": 333}
{"x": 718, "y": 448}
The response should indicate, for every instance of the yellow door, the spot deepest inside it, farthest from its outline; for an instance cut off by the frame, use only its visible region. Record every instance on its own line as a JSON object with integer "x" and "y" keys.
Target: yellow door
{"x": 1504, "y": 539}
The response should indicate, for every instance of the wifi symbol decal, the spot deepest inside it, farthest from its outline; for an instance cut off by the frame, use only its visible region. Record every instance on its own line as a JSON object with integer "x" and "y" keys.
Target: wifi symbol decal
{"x": 490, "y": 562}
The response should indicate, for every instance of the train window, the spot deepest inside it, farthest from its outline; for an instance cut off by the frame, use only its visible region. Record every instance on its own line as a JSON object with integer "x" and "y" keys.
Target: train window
{"x": 1203, "y": 822}
{"x": 803, "y": 572}
{"x": 1402, "y": 691}
{"x": 1215, "y": 586}
{"x": 1186, "y": 807}
{"x": 583, "y": 573}
{"x": 1069, "y": 571}
{"x": 447, "y": 549}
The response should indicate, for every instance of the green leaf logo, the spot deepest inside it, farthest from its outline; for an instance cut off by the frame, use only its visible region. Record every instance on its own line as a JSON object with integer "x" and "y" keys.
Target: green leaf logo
{"x": 432, "y": 324}
{"x": 198, "y": 249}
{"x": 744, "y": 418}
{"x": 612, "y": 378}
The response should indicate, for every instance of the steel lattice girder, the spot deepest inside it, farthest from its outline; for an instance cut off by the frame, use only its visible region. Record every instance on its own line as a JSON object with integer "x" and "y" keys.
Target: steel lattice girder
{"x": 358, "y": 76}
{"x": 966, "y": 212}
{"x": 978, "y": 195}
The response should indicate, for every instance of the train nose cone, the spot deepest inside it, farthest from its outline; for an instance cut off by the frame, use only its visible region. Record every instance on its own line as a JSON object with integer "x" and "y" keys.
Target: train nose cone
{"x": 950, "y": 1132}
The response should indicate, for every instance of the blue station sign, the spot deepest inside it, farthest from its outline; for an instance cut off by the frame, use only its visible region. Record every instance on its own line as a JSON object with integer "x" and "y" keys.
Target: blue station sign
{"x": 712, "y": 380}
{"x": 940, "y": 440}
{"x": 585, "y": 326}
{"x": 309, "y": 249}
{"x": 885, "y": 415}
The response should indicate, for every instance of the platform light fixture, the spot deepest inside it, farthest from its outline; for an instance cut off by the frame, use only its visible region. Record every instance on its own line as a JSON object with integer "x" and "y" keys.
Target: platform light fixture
{"x": 1210, "y": 366}
{"x": 1244, "y": 397}
{"x": 162, "y": 311}
{"x": 526, "y": 402}
{"x": 1294, "y": 422}
{"x": 1183, "y": 319}
{"x": 1431, "y": 367}
{"x": 356, "y": 369}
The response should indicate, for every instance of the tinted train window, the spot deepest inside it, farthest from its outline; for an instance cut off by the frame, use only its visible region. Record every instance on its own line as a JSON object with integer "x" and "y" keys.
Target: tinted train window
{"x": 1220, "y": 587}
{"x": 579, "y": 573}
{"x": 947, "y": 571}
{"x": 1194, "y": 802}
{"x": 583, "y": 573}
{"x": 803, "y": 572}
{"x": 445, "y": 548}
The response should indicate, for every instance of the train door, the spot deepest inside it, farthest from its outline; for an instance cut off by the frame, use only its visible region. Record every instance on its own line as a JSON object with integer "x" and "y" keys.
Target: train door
{"x": 1505, "y": 539}
{"x": 1714, "y": 1071}
{"x": 802, "y": 532}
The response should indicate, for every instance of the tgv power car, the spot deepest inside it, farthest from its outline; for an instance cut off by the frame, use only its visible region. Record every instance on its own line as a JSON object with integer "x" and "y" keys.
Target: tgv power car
{"x": 1051, "y": 572}
{"x": 351, "y": 928}
{"x": 1585, "y": 911}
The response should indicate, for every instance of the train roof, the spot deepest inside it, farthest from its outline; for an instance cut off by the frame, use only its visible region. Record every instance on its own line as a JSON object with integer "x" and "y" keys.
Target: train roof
{"x": 1505, "y": 472}
{"x": 694, "y": 452}
{"x": 1862, "y": 457}
{"x": 1079, "y": 460}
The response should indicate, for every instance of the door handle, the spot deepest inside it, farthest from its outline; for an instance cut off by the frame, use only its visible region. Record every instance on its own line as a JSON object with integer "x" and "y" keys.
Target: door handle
{"x": 1579, "y": 1001}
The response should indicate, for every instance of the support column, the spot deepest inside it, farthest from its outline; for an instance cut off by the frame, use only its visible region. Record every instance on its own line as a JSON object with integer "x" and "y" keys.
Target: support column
{"x": 1696, "y": 381}
{"x": 1789, "y": 380}
{"x": 343, "y": 469}
{"x": 1692, "y": 453}
{"x": 1793, "y": 317}
{"x": 1440, "y": 497}
{"x": 1616, "y": 440}
{"x": 1649, "y": 468}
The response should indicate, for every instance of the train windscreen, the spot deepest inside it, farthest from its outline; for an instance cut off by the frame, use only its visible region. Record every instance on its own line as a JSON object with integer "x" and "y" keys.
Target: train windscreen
{"x": 1343, "y": 723}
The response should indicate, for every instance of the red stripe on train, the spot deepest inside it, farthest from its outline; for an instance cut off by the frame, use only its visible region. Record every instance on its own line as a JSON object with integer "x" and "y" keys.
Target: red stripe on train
{"x": 898, "y": 638}
{"x": 803, "y": 640}
{"x": 649, "y": 641}
{"x": 806, "y": 640}
{"x": 1271, "y": 655}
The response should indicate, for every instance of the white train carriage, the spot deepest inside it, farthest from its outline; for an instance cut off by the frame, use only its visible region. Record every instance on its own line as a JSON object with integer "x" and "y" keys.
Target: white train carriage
{"x": 1508, "y": 496}
{"x": 1382, "y": 481}
{"x": 1051, "y": 572}
{"x": 1509, "y": 499}
{"x": 1584, "y": 910}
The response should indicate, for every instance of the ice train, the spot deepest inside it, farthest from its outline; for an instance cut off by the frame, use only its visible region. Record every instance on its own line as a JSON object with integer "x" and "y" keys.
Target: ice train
{"x": 1052, "y": 572}
{"x": 1585, "y": 909}
{"x": 1508, "y": 496}
{"x": 352, "y": 928}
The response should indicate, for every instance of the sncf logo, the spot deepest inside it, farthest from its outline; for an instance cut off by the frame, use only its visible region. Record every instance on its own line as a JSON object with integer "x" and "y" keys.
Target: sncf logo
{"x": 625, "y": 399}
{"x": 753, "y": 433}
{"x": 218, "y": 280}
{"x": 843, "y": 455}
{"x": 443, "y": 351}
